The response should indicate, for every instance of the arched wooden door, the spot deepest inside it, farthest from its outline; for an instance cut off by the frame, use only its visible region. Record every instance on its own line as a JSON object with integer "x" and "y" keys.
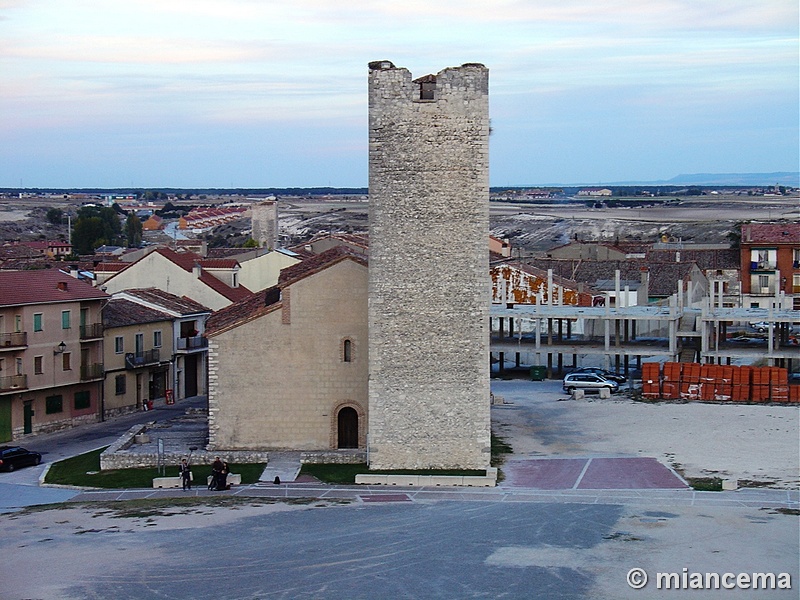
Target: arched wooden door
{"x": 347, "y": 428}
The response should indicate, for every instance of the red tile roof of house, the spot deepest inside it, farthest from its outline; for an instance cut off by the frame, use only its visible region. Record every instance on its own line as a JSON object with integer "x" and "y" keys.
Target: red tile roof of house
{"x": 109, "y": 267}
{"x": 231, "y": 293}
{"x": 179, "y": 304}
{"x": 187, "y": 261}
{"x": 219, "y": 263}
{"x": 43, "y": 287}
{"x": 771, "y": 233}
{"x": 120, "y": 312}
{"x": 317, "y": 263}
{"x": 256, "y": 305}
{"x": 266, "y": 301}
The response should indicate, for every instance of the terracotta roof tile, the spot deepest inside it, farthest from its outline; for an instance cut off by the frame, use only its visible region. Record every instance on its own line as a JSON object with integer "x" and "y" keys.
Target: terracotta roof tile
{"x": 318, "y": 262}
{"x": 771, "y": 233}
{"x": 231, "y": 293}
{"x": 256, "y": 305}
{"x": 120, "y": 312}
{"x": 178, "y": 304}
{"x": 705, "y": 259}
{"x": 663, "y": 276}
{"x": 109, "y": 267}
{"x": 44, "y": 286}
{"x": 217, "y": 253}
{"x": 219, "y": 263}
{"x": 185, "y": 260}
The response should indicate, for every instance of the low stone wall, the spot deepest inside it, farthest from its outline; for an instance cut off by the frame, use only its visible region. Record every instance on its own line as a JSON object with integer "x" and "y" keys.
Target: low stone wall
{"x": 123, "y": 454}
{"x": 18, "y": 433}
{"x": 112, "y": 413}
{"x": 489, "y": 480}
{"x": 341, "y": 457}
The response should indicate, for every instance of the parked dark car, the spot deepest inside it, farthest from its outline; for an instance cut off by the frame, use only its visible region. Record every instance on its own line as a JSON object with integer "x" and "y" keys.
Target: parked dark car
{"x": 14, "y": 457}
{"x": 603, "y": 373}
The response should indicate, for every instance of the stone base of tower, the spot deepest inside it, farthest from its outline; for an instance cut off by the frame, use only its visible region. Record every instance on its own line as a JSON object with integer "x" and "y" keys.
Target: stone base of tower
{"x": 390, "y": 457}
{"x": 442, "y": 435}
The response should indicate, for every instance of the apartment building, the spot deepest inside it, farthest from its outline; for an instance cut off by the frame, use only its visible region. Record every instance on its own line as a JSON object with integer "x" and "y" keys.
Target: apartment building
{"x": 186, "y": 353}
{"x": 51, "y": 352}
{"x": 138, "y": 355}
{"x": 770, "y": 262}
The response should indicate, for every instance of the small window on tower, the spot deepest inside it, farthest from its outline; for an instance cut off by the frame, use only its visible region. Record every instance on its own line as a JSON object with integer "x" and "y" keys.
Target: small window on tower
{"x": 427, "y": 87}
{"x": 347, "y": 351}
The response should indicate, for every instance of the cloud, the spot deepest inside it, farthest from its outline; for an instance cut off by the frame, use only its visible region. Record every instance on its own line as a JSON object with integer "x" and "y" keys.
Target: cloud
{"x": 139, "y": 50}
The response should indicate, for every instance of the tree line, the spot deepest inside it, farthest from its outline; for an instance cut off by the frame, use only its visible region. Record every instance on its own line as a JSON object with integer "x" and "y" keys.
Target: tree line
{"x": 97, "y": 226}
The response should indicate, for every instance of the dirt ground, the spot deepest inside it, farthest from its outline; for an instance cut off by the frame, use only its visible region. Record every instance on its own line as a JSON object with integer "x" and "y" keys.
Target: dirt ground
{"x": 531, "y": 227}
{"x": 758, "y": 445}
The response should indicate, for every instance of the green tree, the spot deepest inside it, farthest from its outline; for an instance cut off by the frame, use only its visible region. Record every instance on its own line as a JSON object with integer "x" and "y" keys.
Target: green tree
{"x": 88, "y": 234}
{"x": 95, "y": 226}
{"x": 250, "y": 243}
{"x": 54, "y": 215}
{"x": 133, "y": 230}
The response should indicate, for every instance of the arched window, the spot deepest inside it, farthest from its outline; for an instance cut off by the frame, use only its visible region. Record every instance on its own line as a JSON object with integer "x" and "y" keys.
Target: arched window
{"x": 347, "y": 351}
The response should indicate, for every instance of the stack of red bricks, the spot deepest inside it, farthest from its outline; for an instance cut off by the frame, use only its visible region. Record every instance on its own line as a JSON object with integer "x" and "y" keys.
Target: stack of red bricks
{"x": 717, "y": 383}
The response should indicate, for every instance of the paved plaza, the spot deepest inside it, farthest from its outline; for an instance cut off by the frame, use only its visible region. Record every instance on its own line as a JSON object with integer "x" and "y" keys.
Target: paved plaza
{"x": 571, "y": 523}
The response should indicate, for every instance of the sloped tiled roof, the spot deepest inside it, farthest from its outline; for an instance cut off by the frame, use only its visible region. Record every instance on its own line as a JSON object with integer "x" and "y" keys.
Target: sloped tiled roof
{"x": 256, "y": 305}
{"x": 42, "y": 287}
{"x": 219, "y": 263}
{"x": 317, "y": 263}
{"x": 218, "y": 253}
{"x": 663, "y": 276}
{"x": 358, "y": 241}
{"x": 266, "y": 301}
{"x": 705, "y": 259}
{"x": 187, "y": 261}
{"x": 771, "y": 233}
{"x": 231, "y": 293}
{"x": 109, "y": 267}
{"x": 18, "y": 251}
{"x": 120, "y": 312}
{"x": 178, "y": 304}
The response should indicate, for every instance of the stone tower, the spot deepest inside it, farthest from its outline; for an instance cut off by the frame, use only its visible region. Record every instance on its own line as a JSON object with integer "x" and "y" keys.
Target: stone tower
{"x": 429, "y": 286}
{"x": 265, "y": 224}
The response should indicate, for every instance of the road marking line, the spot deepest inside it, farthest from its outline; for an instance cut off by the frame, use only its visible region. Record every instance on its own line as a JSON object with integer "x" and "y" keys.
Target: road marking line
{"x": 583, "y": 472}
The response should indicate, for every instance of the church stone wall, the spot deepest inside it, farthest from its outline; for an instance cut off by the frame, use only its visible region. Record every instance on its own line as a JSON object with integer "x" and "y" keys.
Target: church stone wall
{"x": 429, "y": 286}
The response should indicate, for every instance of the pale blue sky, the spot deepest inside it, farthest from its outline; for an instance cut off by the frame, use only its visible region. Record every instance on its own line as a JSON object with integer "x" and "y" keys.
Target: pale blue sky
{"x": 261, "y": 93}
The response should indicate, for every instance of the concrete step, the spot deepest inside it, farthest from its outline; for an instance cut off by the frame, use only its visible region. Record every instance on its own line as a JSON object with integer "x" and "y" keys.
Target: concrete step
{"x": 285, "y": 465}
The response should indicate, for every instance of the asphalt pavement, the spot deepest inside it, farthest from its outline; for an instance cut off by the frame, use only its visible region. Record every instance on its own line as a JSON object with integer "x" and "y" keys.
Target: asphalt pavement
{"x": 310, "y": 540}
{"x": 23, "y": 487}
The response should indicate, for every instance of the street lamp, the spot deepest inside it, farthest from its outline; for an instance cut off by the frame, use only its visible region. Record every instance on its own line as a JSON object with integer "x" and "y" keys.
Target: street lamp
{"x": 61, "y": 347}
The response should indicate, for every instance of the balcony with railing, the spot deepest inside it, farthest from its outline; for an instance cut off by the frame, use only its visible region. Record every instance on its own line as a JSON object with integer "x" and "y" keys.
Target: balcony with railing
{"x": 13, "y": 341}
{"x": 142, "y": 359}
{"x": 92, "y": 371}
{"x": 191, "y": 344}
{"x": 13, "y": 383}
{"x": 91, "y": 331}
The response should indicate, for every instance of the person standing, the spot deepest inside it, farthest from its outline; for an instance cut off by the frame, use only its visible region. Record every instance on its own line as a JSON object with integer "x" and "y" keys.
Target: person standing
{"x": 216, "y": 472}
{"x": 223, "y": 477}
{"x": 186, "y": 474}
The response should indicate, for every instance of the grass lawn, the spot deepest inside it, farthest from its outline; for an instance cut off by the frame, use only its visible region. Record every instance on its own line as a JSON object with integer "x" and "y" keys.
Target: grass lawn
{"x": 84, "y": 471}
{"x": 345, "y": 474}
{"x": 335, "y": 473}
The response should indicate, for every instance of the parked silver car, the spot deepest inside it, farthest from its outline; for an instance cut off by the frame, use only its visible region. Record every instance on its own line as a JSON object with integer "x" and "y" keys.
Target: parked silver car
{"x": 588, "y": 382}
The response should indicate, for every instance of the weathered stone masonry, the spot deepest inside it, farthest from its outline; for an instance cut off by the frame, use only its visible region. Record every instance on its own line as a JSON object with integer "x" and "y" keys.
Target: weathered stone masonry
{"x": 428, "y": 272}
